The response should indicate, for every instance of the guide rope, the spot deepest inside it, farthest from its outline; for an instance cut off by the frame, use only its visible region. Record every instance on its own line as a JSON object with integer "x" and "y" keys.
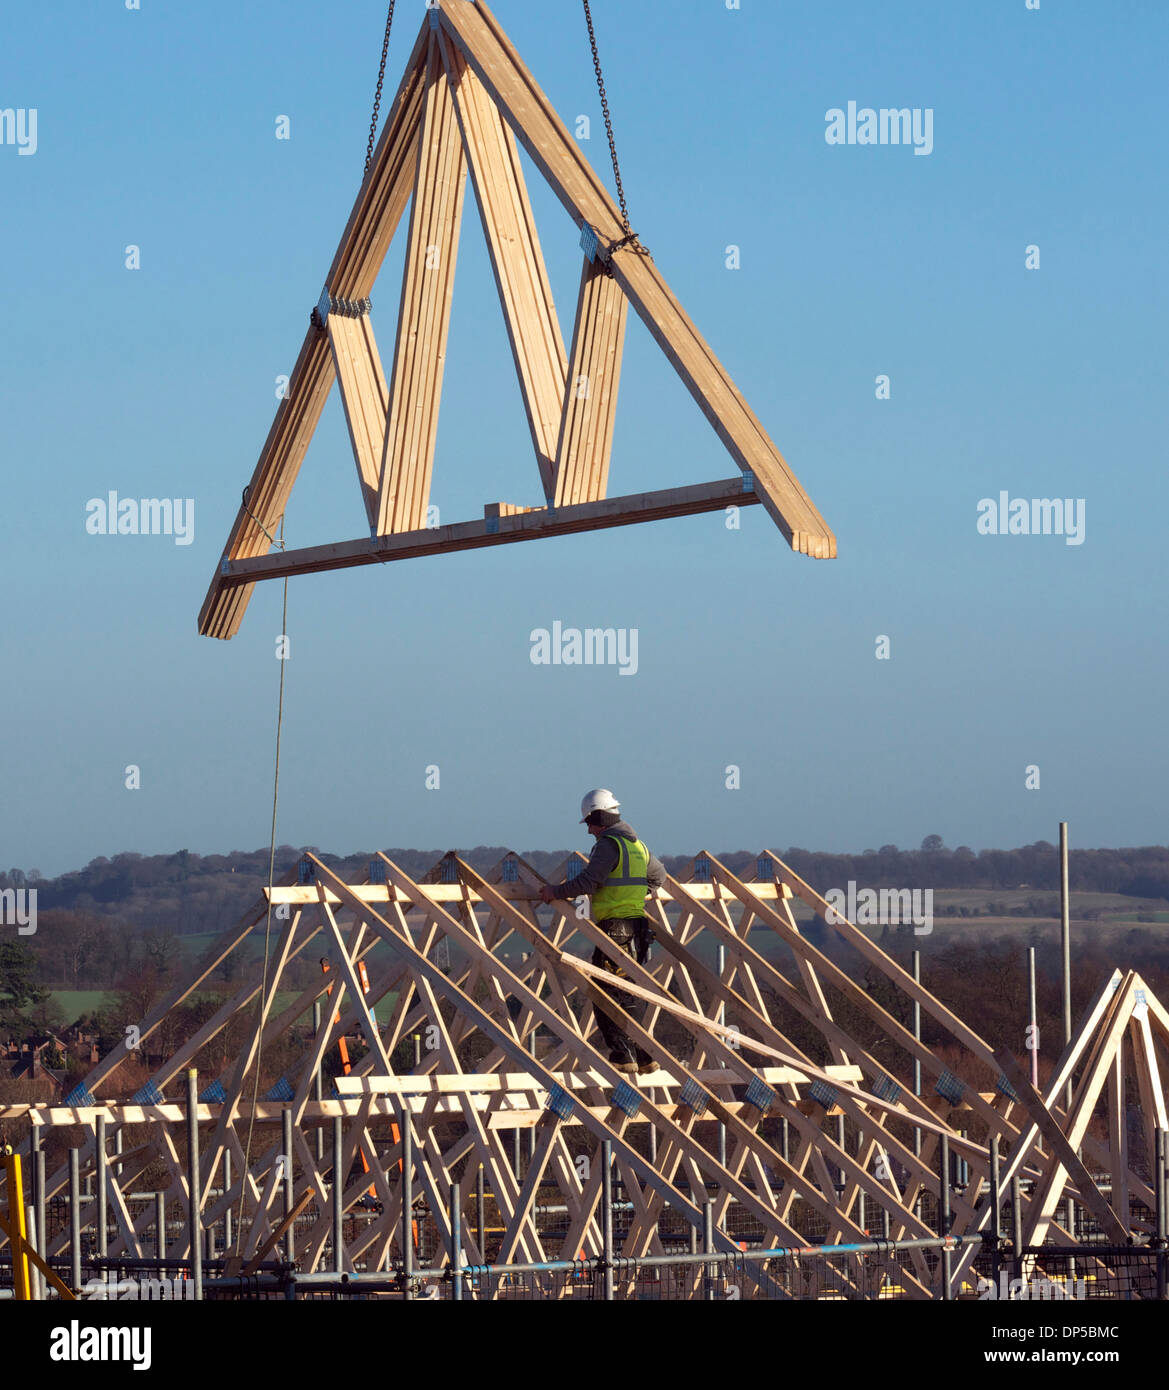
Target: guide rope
{"x": 265, "y": 1003}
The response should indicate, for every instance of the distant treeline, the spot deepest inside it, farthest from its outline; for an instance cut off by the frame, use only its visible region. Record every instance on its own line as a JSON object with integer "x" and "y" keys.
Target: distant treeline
{"x": 191, "y": 892}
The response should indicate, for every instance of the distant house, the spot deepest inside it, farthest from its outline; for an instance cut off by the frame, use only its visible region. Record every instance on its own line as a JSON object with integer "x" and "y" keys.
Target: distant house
{"x": 26, "y": 1061}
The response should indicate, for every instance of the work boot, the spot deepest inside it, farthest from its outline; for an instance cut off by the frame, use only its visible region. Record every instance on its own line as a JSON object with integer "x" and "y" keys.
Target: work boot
{"x": 623, "y": 1061}
{"x": 645, "y": 1063}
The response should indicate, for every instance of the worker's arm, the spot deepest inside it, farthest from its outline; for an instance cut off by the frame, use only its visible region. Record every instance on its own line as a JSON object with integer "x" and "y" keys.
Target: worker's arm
{"x": 655, "y": 872}
{"x": 602, "y": 862}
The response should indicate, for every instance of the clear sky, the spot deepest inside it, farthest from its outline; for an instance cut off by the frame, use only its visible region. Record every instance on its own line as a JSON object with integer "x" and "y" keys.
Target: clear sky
{"x": 157, "y": 128}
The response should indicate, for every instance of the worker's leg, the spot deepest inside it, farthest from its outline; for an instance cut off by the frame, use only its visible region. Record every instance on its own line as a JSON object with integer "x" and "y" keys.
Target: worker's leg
{"x": 635, "y": 943}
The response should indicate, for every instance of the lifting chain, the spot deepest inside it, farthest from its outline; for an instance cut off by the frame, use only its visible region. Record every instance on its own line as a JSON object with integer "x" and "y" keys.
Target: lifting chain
{"x": 377, "y": 96}
{"x": 630, "y": 237}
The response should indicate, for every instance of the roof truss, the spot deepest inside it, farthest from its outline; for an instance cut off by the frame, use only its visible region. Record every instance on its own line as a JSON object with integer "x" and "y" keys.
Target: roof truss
{"x": 465, "y": 106}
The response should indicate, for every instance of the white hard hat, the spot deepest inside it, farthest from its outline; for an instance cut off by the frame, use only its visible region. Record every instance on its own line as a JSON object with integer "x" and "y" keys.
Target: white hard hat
{"x": 599, "y": 799}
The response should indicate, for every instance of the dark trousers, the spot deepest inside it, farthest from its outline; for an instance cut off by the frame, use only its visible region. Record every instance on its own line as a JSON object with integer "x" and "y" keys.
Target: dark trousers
{"x": 634, "y": 936}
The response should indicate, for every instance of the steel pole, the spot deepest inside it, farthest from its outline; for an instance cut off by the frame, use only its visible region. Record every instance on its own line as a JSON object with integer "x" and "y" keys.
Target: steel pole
{"x": 996, "y": 1203}
{"x": 338, "y": 1205}
{"x": 75, "y": 1219}
{"x": 722, "y": 1018}
{"x": 456, "y": 1244}
{"x": 1033, "y": 1021}
{"x": 1162, "y": 1202}
{"x": 708, "y": 1249}
{"x": 194, "y": 1199}
{"x": 407, "y": 1204}
{"x": 944, "y": 1217}
{"x": 160, "y": 1225}
{"x": 100, "y": 1182}
{"x": 481, "y": 1215}
{"x": 917, "y": 1035}
{"x": 318, "y": 1084}
{"x": 1065, "y": 944}
{"x": 607, "y": 1216}
{"x": 289, "y": 1185}
{"x": 227, "y": 1232}
{"x": 1017, "y": 1224}
{"x": 38, "y": 1208}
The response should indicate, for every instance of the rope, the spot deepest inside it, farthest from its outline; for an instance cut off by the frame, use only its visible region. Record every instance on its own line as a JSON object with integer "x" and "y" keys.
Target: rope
{"x": 630, "y": 237}
{"x": 377, "y": 96}
{"x": 265, "y": 1003}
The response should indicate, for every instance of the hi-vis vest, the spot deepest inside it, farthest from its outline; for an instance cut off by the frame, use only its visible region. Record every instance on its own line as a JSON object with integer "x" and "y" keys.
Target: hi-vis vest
{"x": 624, "y": 891}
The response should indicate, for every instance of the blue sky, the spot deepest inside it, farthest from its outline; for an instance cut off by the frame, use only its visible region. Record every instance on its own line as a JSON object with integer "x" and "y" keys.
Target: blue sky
{"x": 156, "y": 128}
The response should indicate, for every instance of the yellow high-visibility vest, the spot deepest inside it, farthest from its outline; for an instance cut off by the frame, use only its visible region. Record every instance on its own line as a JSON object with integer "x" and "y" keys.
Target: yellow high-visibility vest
{"x": 624, "y": 891}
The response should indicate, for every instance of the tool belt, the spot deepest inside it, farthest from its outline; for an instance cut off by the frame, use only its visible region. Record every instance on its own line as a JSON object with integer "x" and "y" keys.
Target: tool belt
{"x": 632, "y": 934}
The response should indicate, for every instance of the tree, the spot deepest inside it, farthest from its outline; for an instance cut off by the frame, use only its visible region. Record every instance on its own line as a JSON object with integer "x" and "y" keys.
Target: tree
{"x": 18, "y": 984}
{"x": 932, "y": 843}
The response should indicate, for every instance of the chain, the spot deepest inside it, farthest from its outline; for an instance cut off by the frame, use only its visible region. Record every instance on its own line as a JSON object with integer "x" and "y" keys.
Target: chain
{"x": 377, "y": 96}
{"x": 630, "y": 238}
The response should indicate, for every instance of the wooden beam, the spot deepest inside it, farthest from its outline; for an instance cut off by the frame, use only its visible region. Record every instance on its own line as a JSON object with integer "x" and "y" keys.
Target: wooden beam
{"x": 473, "y": 535}
{"x": 585, "y": 443}
{"x": 364, "y": 397}
{"x": 521, "y": 277}
{"x": 428, "y": 282}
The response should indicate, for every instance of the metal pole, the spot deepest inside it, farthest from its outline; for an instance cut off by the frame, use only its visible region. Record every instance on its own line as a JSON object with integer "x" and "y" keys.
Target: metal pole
{"x": 1017, "y": 1224}
{"x": 38, "y": 1206}
{"x": 1161, "y": 1140}
{"x": 607, "y": 1215}
{"x": 318, "y": 1084}
{"x": 100, "y": 1142}
{"x": 996, "y": 1205}
{"x": 407, "y": 1204}
{"x": 194, "y": 1200}
{"x": 708, "y": 1249}
{"x": 1065, "y": 941}
{"x": 515, "y": 1154}
{"x": 840, "y": 1184}
{"x": 653, "y": 1144}
{"x": 75, "y": 1219}
{"x": 860, "y": 1199}
{"x": 481, "y": 1215}
{"x": 1032, "y": 1019}
{"x": 917, "y": 1035}
{"x": 338, "y": 1190}
{"x": 917, "y": 1072}
{"x": 289, "y": 1186}
{"x": 722, "y": 1018}
{"x": 227, "y": 1232}
{"x": 784, "y": 1149}
{"x": 456, "y": 1244}
{"x": 944, "y": 1217}
{"x": 160, "y": 1225}
{"x": 417, "y": 1049}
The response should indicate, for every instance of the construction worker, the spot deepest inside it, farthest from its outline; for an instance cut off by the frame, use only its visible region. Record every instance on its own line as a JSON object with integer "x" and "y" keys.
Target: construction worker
{"x": 618, "y": 877}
